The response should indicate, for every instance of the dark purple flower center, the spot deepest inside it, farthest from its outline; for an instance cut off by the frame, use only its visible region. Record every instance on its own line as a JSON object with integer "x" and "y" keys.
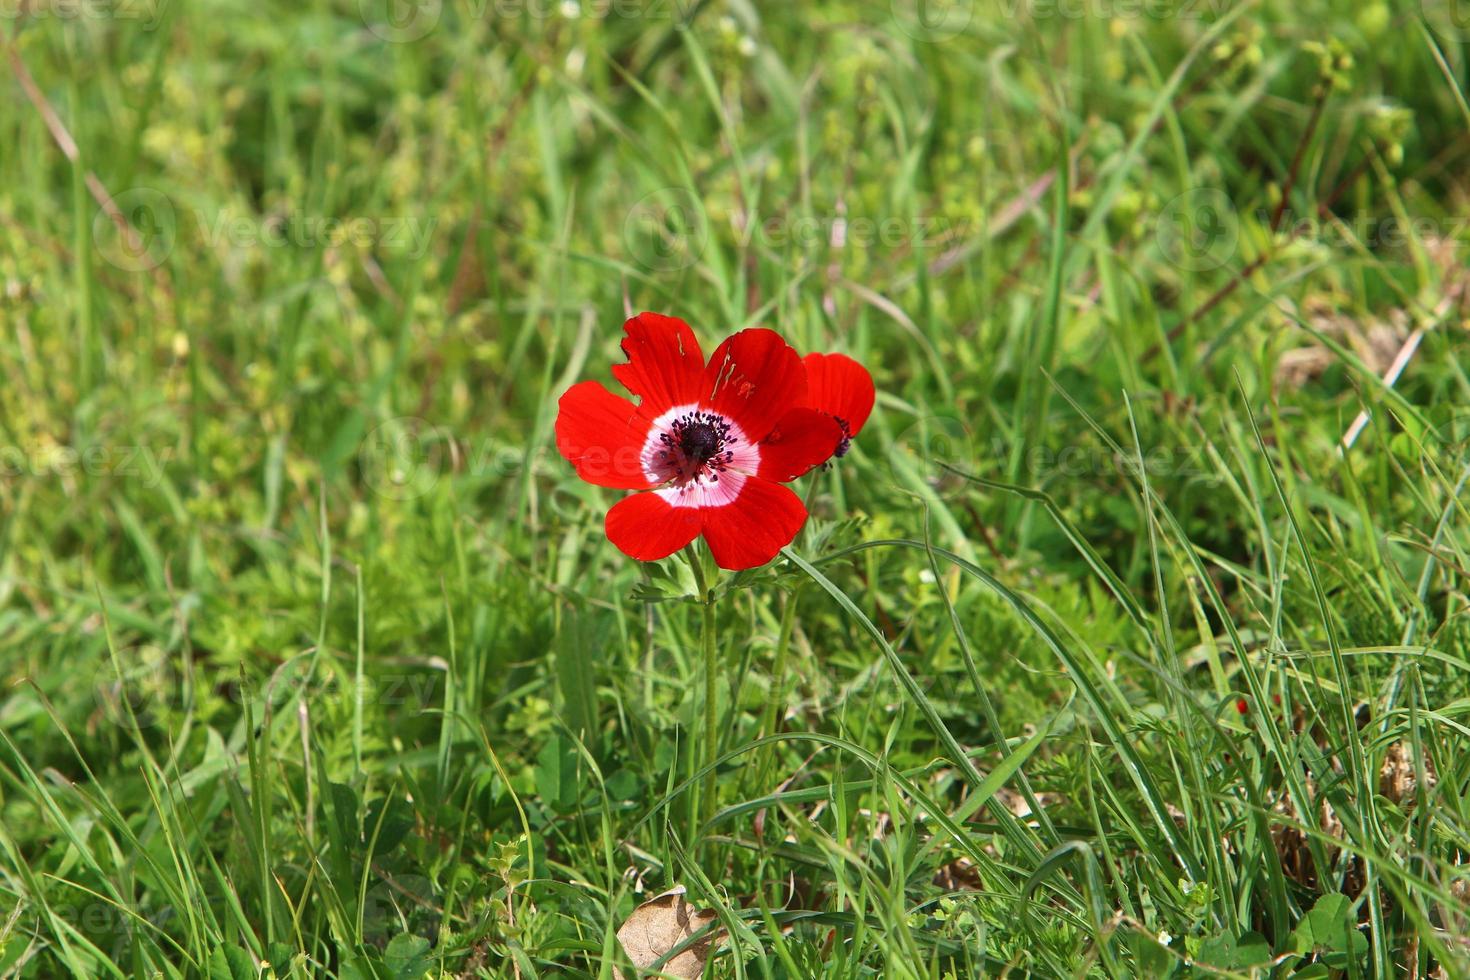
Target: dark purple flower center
{"x": 699, "y": 442}
{"x": 696, "y": 446}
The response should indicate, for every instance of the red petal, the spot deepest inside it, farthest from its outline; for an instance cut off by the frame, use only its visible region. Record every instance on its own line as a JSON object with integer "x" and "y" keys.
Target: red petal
{"x": 665, "y": 365}
{"x": 749, "y": 531}
{"x": 644, "y": 526}
{"x": 840, "y": 386}
{"x": 802, "y": 439}
{"x": 602, "y": 436}
{"x": 753, "y": 378}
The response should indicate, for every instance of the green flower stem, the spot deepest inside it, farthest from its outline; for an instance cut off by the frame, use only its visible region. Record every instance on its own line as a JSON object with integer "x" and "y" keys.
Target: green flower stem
{"x": 711, "y": 710}
{"x": 778, "y": 664}
{"x": 788, "y": 622}
{"x": 706, "y": 808}
{"x": 777, "y": 700}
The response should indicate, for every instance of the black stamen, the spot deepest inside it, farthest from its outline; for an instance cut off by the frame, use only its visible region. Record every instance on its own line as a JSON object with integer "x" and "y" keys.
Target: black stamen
{"x": 696, "y": 447}
{"x": 846, "y": 443}
{"x": 699, "y": 442}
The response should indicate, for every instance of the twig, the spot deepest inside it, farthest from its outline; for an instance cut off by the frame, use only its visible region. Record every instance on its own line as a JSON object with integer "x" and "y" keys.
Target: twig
{"x": 1400, "y": 361}
{"x": 69, "y": 149}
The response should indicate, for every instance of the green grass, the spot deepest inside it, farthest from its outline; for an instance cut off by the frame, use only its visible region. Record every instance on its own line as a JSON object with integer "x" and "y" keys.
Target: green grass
{"x": 314, "y": 653}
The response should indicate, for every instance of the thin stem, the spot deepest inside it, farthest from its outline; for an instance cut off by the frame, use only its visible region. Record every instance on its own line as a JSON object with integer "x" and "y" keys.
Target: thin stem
{"x": 776, "y": 700}
{"x": 806, "y": 502}
{"x": 778, "y": 664}
{"x": 711, "y": 709}
{"x": 706, "y": 808}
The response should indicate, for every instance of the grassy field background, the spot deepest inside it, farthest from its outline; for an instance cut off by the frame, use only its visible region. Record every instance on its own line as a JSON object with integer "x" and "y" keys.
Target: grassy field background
{"x": 1122, "y": 644}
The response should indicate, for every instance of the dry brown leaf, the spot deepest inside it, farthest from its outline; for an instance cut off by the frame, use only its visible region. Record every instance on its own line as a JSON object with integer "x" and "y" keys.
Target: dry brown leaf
{"x": 1460, "y": 891}
{"x": 1398, "y": 779}
{"x": 1020, "y": 806}
{"x": 660, "y": 924}
{"x": 1294, "y": 847}
{"x": 1375, "y": 342}
{"x": 959, "y": 875}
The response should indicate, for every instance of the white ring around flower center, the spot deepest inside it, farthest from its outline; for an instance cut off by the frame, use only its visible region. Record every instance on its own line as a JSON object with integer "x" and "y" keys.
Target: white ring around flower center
{"x": 709, "y": 486}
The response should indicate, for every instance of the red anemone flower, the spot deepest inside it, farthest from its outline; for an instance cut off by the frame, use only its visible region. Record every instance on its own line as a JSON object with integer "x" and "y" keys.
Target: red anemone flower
{"x": 838, "y": 386}
{"x": 710, "y": 445}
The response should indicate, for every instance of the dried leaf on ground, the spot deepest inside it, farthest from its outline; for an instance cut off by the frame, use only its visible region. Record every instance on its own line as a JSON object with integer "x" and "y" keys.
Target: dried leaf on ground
{"x": 1398, "y": 779}
{"x": 658, "y": 926}
{"x": 1374, "y": 342}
